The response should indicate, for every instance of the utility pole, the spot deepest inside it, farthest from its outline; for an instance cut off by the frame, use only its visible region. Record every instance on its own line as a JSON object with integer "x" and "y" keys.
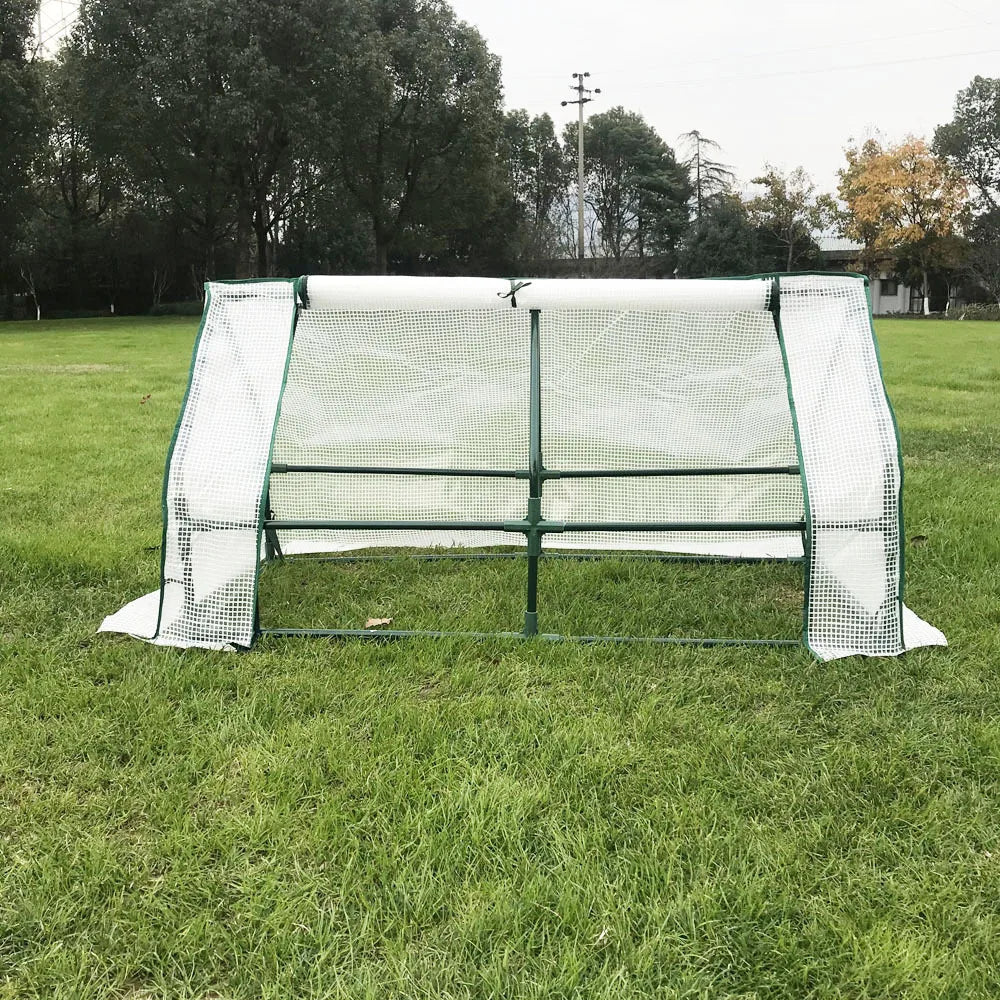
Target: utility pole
{"x": 581, "y": 100}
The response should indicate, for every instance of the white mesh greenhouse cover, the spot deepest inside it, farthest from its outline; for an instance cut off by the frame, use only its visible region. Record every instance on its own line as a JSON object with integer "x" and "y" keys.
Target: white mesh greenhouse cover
{"x": 635, "y": 374}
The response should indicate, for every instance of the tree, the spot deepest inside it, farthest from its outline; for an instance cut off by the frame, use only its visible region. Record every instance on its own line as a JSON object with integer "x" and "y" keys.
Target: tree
{"x": 219, "y": 104}
{"x": 537, "y": 174}
{"x": 722, "y": 241}
{"x": 636, "y": 189}
{"x": 708, "y": 176}
{"x": 417, "y": 133}
{"x": 21, "y": 126}
{"x": 904, "y": 199}
{"x": 77, "y": 183}
{"x": 970, "y": 142}
{"x": 790, "y": 214}
{"x": 982, "y": 255}
{"x": 325, "y": 234}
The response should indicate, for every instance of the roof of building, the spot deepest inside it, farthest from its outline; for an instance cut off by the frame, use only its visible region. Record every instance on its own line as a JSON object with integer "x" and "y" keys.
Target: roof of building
{"x": 837, "y": 244}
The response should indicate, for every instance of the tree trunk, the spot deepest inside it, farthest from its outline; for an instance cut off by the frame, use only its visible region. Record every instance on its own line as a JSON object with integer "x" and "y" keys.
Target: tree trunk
{"x": 29, "y": 280}
{"x": 244, "y": 227}
{"x": 697, "y": 161}
{"x": 159, "y": 284}
{"x": 381, "y": 252}
{"x": 75, "y": 283}
{"x": 791, "y": 248}
{"x": 927, "y": 294}
{"x": 260, "y": 233}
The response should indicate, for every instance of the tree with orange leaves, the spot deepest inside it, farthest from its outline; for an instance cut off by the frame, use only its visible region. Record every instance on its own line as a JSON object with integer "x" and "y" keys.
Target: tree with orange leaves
{"x": 904, "y": 199}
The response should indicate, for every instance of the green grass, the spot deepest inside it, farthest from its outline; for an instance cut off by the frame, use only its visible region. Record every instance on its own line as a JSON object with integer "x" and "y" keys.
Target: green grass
{"x": 451, "y": 818}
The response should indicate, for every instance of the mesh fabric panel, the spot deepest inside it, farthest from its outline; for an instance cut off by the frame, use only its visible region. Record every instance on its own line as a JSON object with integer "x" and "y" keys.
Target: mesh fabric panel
{"x": 405, "y": 389}
{"x": 851, "y": 463}
{"x": 217, "y": 467}
{"x": 647, "y": 390}
{"x": 619, "y": 390}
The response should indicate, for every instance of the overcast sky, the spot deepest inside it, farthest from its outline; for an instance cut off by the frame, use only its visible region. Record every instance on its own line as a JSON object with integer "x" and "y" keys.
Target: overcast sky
{"x": 783, "y": 81}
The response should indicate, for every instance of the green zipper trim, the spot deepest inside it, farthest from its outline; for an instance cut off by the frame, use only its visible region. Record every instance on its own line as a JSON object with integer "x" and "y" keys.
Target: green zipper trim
{"x": 170, "y": 456}
{"x": 775, "y": 309}
{"x": 252, "y": 281}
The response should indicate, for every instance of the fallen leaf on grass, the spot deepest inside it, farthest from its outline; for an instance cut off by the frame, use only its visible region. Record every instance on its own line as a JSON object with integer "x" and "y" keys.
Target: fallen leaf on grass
{"x": 376, "y": 622}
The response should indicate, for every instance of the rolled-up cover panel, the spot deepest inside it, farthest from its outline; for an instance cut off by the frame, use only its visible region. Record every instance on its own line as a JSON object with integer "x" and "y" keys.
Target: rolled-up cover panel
{"x": 726, "y": 295}
{"x": 376, "y": 293}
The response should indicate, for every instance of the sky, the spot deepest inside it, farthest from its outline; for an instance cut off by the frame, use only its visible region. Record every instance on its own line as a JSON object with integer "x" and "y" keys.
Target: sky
{"x": 777, "y": 81}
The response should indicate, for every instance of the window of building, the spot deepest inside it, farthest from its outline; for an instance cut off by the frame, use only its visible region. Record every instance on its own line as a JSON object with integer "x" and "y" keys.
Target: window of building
{"x": 889, "y": 286}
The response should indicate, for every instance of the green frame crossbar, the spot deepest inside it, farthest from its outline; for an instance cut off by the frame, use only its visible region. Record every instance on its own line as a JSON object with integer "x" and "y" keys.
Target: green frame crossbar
{"x": 533, "y": 526}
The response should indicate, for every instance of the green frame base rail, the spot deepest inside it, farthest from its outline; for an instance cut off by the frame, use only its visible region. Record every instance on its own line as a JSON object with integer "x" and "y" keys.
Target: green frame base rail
{"x": 387, "y": 634}
{"x": 533, "y": 527}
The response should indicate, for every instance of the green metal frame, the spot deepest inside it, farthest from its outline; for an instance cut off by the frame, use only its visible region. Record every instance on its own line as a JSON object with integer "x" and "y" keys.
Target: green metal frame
{"x": 534, "y": 526}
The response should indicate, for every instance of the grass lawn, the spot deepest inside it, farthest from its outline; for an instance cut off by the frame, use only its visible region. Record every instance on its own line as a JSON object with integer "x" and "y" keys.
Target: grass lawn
{"x": 451, "y": 818}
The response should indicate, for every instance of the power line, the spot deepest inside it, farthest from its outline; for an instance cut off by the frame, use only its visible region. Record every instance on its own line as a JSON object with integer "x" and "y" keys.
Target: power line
{"x": 965, "y": 10}
{"x": 839, "y": 45}
{"x": 795, "y": 51}
{"x": 822, "y": 69}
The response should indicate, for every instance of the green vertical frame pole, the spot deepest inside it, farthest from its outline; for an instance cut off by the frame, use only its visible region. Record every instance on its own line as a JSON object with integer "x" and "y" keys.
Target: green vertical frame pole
{"x": 272, "y": 549}
{"x": 535, "y": 478}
